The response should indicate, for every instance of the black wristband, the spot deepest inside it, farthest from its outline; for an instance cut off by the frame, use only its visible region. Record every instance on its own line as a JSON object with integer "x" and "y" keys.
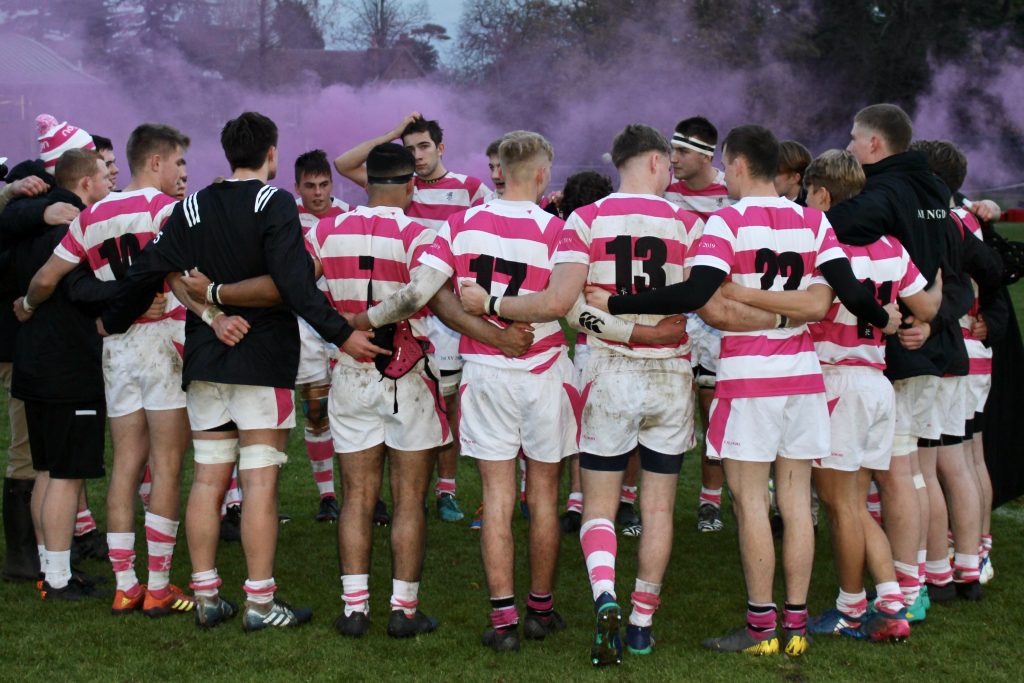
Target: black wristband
{"x": 490, "y": 305}
{"x": 783, "y": 321}
{"x": 216, "y": 294}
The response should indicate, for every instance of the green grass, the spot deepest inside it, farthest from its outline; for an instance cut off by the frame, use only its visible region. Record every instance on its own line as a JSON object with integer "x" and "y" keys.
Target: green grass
{"x": 703, "y": 595}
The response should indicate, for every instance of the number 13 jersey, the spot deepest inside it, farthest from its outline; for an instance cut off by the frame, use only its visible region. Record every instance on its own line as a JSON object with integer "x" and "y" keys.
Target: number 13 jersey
{"x": 110, "y": 234}
{"x": 632, "y": 243}
{"x": 508, "y": 248}
{"x": 768, "y": 243}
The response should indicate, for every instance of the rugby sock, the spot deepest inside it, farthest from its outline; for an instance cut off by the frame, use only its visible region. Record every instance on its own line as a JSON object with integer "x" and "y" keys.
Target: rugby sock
{"x": 965, "y": 568}
{"x": 405, "y": 596}
{"x": 355, "y": 593}
{"x": 444, "y": 487}
{"x": 710, "y": 497}
{"x": 794, "y": 617}
{"x": 986, "y": 546}
{"x": 575, "y": 502}
{"x": 320, "y": 449}
{"x": 852, "y": 604}
{"x": 627, "y": 494}
{"x": 938, "y": 572}
{"x": 922, "y": 556}
{"x": 503, "y": 613}
{"x": 41, "y": 549}
{"x": 146, "y": 487}
{"x": 160, "y": 536}
{"x": 645, "y": 599}
{"x": 205, "y": 583}
{"x": 875, "y": 503}
{"x": 84, "y": 522}
{"x": 121, "y": 551}
{"x": 58, "y": 568}
{"x": 260, "y": 592}
{"x": 542, "y": 604}
{"x": 233, "y": 496}
{"x": 890, "y": 597}
{"x": 909, "y": 581}
{"x": 761, "y": 620}
{"x": 597, "y": 537}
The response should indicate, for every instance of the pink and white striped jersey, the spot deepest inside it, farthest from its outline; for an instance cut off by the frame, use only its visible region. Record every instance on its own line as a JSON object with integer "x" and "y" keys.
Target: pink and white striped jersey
{"x": 111, "y": 232}
{"x": 979, "y": 356}
{"x": 377, "y": 243}
{"x": 433, "y": 202}
{"x": 632, "y": 243}
{"x": 768, "y": 243}
{"x": 309, "y": 220}
{"x": 884, "y": 267}
{"x": 703, "y": 202}
{"x": 508, "y": 247}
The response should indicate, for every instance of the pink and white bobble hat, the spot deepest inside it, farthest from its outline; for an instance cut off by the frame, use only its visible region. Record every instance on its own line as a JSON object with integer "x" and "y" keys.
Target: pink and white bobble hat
{"x": 57, "y": 138}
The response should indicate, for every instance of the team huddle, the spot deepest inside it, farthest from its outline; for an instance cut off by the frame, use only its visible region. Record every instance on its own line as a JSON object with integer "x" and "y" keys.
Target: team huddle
{"x": 830, "y": 319}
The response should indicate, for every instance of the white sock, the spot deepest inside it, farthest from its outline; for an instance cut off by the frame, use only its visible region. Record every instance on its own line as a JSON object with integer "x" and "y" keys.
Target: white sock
{"x": 405, "y": 596}
{"x": 41, "y": 549}
{"x": 58, "y": 568}
{"x": 121, "y": 548}
{"x": 355, "y": 593}
{"x": 260, "y": 592}
{"x": 205, "y": 583}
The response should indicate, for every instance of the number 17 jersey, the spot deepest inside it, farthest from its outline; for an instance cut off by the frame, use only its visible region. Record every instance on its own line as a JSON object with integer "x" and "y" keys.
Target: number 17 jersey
{"x": 768, "y": 243}
{"x": 508, "y": 248}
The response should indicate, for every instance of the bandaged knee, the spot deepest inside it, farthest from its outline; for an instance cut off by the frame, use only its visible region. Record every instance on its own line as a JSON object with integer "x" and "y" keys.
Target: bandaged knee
{"x": 215, "y": 451}
{"x": 260, "y": 455}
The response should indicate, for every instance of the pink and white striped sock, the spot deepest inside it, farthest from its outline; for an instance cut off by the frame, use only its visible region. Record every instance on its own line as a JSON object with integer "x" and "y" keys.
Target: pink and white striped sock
{"x": 875, "y": 503}
{"x": 909, "y": 581}
{"x": 205, "y": 583}
{"x": 938, "y": 572}
{"x": 320, "y": 449}
{"x": 710, "y": 496}
{"x": 922, "y": 563}
{"x": 146, "y": 487}
{"x": 646, "y": 599}
{"x": 233, "y": 496}
{"x": 627, "y": 494}
{"x": 522, "y": 476}
{"x": 852, "y": 604}
{"x": 575, "y": 502}
{"x": 84, "y": 522}
{"x": 986, "y": 546}
{"x": 121, "y": 551}
{"x": 160, "y": 537}
{"x": 260, "y": 592}
{"x": 444, "y": 487}
{"x": 503, "y": 612}
{"x": 761, "y": 620}
{"x": 890, "y": 597}
{"x": 966, "y": 568}
{"x": 405, "y": 596}
{"x": 597, "y": 537}
{"x": 355, "y": 593}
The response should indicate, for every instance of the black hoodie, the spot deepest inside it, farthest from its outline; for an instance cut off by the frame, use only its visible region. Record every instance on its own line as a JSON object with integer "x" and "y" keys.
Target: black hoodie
{"x": 905, "y": 199}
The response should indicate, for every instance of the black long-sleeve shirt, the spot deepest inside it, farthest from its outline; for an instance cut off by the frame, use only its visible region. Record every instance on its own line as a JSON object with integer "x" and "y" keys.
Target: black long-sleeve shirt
{"x": 232, "y": 231}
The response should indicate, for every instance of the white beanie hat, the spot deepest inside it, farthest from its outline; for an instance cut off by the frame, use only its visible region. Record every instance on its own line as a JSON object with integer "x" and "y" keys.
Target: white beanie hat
{"x": 57, "y": 138}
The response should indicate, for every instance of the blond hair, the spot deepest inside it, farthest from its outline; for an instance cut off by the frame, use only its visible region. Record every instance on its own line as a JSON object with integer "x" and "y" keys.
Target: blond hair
{"x": 839, "y": 172}
{"x": 521, "y": 150}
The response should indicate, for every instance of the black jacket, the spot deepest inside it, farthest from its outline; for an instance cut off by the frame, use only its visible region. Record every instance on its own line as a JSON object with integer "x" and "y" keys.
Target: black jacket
{"x": 58, "y": 352}
{"x": 905, "y": 199}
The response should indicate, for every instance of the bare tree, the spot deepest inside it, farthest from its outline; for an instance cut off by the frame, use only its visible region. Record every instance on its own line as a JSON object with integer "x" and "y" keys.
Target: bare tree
{"x": 380, "y": 23}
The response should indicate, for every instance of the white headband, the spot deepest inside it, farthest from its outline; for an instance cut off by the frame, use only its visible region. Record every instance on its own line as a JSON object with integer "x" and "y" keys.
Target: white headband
{"x": 680, "y": 140}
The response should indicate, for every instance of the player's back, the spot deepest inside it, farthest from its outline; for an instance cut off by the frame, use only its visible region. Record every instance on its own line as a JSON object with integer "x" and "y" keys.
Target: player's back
{"x": 633, "y": 243}
{"x": 508, "y": 248}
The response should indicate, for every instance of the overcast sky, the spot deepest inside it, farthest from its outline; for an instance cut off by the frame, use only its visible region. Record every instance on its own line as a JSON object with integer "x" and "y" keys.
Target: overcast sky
{"x": 446, "y": 13}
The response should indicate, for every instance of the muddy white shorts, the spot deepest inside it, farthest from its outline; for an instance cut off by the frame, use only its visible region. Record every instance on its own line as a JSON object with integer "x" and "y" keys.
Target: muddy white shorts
{"x": 362, "y": 408}
{"x": 314, "y": 357}
{"x": 142, "y": 367}
{"x": 636, "y": 400}
{"x": 212, "y": 404}
{"x": 503, "y": 410}
{"x": 705, "y": 348}
{"x": 760, "y": 429}
{"x": 863, "y": 405}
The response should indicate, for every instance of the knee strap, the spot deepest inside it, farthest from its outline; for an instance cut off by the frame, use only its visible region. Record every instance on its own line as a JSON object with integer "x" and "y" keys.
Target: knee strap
{"x": 260, "y": 455}
{"x": 215, "y": 451}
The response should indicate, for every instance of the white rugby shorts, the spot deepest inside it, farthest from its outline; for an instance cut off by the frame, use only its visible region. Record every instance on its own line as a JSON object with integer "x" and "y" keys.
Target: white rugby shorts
{"x": 446, "y": 344}
{"x": 314, "y": 357}
{"x": 362, "y": 410}
{"x": 978, "y": 387}
{"x": 212, "y": 404}
{"x": 142, "y": 367}
{"x": 863, "y": 422}
{"x": 761, "y": 428}
{"x": 636, "y": 400}
{"x": 705, "y": 346}
{"x": 580, "y": 359}
{"x": 504, "y": 410}
{"x": 928, "y": 407}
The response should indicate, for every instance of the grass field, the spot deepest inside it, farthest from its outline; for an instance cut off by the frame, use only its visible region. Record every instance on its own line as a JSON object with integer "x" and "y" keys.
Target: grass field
{"x": 703, "y": 595}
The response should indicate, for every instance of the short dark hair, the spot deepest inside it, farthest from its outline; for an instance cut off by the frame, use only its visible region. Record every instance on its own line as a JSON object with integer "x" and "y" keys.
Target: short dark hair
{"x": 700, "y": 128}
{"x": 247, "y": 140}
{"x": 492, "y": 149}
{"x": 582, "y": 188}
{"x": 102, "y": 143}
{"x": 890, "y": 122}
{"x": 75, "y": 164}
{"x": 152, "y": 138}
{"x": 313, "y": 163}
{"x": 636, "y": 139}
{"x": 945, "y": 160}
{"x": 389, "y": 161}
{"x": 425, "y": 126}
{"x": 793, "y": 157}
{"x": 758, "y": 146}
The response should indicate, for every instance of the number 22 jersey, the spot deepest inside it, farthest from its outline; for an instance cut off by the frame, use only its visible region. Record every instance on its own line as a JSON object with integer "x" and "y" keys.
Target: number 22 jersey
{"x": 768, "y": 243}
{"x": 508, "y": 248}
